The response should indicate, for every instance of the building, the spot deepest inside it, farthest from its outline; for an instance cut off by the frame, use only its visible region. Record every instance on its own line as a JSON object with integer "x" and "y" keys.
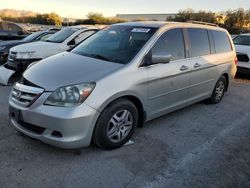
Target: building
{"x": 155, "y": 17}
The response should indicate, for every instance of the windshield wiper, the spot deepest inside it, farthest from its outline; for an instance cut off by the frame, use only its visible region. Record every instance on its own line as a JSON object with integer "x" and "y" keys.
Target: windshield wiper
{"x": 51, "y": 41}
{"x": 97, "y": 56}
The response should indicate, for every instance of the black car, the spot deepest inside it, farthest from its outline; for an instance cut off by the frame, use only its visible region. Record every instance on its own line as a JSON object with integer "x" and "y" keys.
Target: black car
{"x": 11, "y": 31}
{"x": 37, "y": 36}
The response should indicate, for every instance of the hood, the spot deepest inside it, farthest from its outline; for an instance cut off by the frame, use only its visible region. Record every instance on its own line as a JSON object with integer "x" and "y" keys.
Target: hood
{"x": 42, "y": 49}
{"x": 68, "y": 68}
{"x": 11, "y": 43}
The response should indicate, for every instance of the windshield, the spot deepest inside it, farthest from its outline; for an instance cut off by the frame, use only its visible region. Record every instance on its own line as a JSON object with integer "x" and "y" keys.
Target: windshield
{"x": 117, "y": 44}
{"x": 62, "y": 35}
{"x": 242, "y": 40}
{"x": 32, "y": 36}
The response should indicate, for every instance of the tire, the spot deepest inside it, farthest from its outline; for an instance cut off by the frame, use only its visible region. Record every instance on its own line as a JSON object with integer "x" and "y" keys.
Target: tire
{"x": 219, "y": 91}
{"x": 116, "y": 124}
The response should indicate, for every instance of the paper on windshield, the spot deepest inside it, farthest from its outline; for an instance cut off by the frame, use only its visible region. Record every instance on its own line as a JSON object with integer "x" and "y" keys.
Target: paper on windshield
{"x": 140, "y": 30}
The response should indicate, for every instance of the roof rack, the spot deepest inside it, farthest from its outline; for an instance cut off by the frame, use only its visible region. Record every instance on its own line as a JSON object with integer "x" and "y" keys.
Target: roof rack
{"x": 202, "y": 23}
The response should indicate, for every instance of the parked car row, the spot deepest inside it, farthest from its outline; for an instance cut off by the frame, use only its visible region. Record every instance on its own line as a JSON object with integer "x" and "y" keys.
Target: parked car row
{"x": 6, "y": 45}
{"x": 114, "y": 80}
{"x": 21, "y": 56}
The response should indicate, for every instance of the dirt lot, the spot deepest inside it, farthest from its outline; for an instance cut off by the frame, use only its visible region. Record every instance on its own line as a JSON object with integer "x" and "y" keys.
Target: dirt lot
{"x": 199, "y": 146}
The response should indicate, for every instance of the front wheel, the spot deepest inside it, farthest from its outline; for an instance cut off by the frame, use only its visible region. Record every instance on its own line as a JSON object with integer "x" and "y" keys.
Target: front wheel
{"x": 116, "y": 124}
{"x": 218, "y": 91}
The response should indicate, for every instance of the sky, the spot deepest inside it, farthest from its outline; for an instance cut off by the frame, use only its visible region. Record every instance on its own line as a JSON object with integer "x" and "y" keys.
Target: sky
{"x": 80, "y": 8}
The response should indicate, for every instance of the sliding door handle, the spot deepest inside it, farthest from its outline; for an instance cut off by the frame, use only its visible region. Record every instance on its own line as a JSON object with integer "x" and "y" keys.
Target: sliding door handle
{"x": 184, "y": 67}
{"x": 197, "y": 65}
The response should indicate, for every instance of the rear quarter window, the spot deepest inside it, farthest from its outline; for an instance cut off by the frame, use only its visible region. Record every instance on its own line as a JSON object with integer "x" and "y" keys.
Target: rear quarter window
{"x": 221, "y": 42}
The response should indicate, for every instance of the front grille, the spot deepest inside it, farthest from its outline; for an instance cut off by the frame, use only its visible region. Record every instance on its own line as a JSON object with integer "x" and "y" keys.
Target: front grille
{"x": 242, "y": 57}
{"x": 25, "y": 95}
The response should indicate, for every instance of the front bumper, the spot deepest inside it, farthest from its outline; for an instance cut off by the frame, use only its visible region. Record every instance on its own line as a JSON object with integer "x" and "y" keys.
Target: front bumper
{"x": 58, "y": 126}
{"x": 243, "y": 67}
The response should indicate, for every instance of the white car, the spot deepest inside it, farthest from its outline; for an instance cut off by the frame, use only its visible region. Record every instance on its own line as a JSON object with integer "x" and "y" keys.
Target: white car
{"x": 242, "y": 46}
{"x": 20, "y": 57}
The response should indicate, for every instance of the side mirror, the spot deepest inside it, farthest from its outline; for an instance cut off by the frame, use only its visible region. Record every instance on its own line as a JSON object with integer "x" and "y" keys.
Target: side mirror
{"x": 71, "y": 43}
{"x": 161, "y": 58}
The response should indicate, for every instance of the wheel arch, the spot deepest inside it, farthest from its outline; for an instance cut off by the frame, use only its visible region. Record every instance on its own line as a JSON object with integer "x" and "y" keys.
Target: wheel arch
{"x": 138, "y": 102}
{"x": 227, "y": 78}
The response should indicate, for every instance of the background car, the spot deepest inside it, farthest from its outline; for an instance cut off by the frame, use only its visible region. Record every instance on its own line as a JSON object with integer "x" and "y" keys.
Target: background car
{"x": 21, "y": 56}
{"x": 37, "y": 36}
{"x": 242, "y": 46}
{"x": 11, "y": 31}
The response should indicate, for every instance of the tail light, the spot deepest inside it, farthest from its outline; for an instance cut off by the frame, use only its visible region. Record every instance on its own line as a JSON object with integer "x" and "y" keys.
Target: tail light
{"x": 236, "y": 60}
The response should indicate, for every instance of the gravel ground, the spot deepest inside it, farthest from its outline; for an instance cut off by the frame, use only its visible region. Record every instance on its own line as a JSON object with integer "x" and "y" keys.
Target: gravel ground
{"x": 199, "y": 146}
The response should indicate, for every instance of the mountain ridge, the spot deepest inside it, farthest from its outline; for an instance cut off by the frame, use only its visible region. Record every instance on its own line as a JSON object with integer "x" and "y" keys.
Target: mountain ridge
{"x": 16, "y": 13}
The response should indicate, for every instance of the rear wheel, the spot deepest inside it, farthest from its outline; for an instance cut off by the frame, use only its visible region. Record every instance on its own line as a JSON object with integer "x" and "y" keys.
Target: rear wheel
{"x": 116, "y": 124}
{"x": 219, "y": 91}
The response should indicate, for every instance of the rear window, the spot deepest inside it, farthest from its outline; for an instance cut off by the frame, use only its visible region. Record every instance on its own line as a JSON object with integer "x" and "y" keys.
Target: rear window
{"x": 242, "y": 40}
{"x": 5, "y": 26}
{"x": 199, "y": 42}
{"x": 221, "y": 42}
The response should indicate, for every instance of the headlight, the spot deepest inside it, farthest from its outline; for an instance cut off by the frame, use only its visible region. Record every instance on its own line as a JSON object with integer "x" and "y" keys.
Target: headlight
{"x": 2, "y": 47}
{"x": 70, "y": 96}
{"x": 24, "y": 55}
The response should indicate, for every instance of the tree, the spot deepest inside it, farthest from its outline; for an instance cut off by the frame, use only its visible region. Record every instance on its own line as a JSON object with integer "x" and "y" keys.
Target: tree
{"x": 45, "y": 19}
{"x": 97, "y": 18}
{"x": 54, "y": 19}
{"x": 237, "y": 20}
{"x": 190, "y": 14}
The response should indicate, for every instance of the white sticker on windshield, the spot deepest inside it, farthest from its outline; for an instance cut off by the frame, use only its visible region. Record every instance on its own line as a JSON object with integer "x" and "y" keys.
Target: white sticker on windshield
{"x": 140, "y": 30}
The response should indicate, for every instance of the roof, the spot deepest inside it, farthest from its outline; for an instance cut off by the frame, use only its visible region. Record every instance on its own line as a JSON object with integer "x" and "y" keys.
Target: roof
{"x": 155, "y": 24}
{"x": 245, "y": 34}
{"x": 81, "y": 26}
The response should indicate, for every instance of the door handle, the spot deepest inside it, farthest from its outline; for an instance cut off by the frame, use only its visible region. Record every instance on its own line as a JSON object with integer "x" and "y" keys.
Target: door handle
{"x": 196, "y": 65}
{"x": 183, "y": 68}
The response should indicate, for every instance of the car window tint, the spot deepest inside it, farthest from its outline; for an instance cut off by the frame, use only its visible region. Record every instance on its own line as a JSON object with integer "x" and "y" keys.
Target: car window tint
{"x": 221, "y": 42}
{"x": 199, "y": 42}
{"x": 118, "y": 43}
{"x": 44, "y": 37}
{"x": 242, "y": 40}
{"x": 62, "y": 35}
{"x": 11, "y": 27}
{"x": 170, "y": 43}
{"x": 79, "y": 38}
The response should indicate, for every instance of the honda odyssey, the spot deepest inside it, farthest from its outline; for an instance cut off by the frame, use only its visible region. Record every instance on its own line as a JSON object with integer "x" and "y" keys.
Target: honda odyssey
{"x": 119, "y": 78}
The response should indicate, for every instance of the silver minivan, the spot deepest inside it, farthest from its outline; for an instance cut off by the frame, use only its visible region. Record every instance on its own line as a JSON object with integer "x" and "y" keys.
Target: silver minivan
{"x": 119, "y": 78}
